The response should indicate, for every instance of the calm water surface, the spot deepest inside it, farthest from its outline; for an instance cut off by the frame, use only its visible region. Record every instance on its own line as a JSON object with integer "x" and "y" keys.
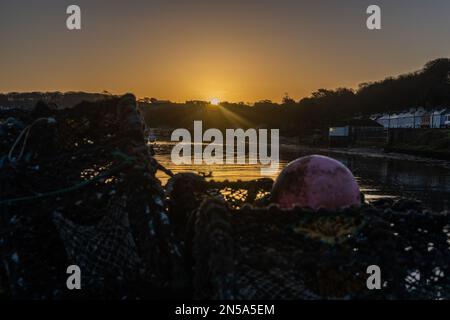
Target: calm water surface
{"x": 377, "y": 176}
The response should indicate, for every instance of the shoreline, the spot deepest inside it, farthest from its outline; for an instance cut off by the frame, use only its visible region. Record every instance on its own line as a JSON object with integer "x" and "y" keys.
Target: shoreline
{"x": 371, "y": 152}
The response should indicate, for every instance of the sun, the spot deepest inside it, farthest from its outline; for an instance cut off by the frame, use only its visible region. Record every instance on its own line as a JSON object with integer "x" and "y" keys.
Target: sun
{"x": 215, "y": 101}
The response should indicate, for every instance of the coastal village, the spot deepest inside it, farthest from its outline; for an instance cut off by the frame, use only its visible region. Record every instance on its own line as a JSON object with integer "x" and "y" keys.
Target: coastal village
{"x": 415, "y": 118}
{"x": 378, "y": 129}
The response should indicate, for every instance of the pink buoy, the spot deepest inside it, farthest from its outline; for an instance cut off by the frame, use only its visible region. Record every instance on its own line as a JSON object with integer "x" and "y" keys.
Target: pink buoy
{"x": 316, "y": 182}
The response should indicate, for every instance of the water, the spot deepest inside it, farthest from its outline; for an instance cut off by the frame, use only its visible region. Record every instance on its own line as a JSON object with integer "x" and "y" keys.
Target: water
{"x": 378, "y": 176}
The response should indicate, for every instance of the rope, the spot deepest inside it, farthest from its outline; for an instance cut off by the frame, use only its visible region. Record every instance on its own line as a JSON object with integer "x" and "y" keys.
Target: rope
{"x": 25, "y": 132}
{"x": 163, "y": 169}
{"x": 127, "y": 160}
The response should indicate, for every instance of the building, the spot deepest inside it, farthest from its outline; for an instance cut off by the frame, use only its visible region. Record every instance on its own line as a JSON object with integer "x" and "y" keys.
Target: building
{"x": 383, "y": 120}
{"x": 426, "y": 120}
{"x": 414, "y": 118}
{"x": 438, "y": 118}
{"x": 406, "y": 120}
{"x": 356, "y": 132}
{"x": 419, "y": 115}
{"x": 447, "y": 120}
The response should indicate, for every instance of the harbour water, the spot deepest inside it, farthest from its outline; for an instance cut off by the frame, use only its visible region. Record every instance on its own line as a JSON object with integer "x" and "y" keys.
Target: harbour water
{"x": 378, "y": 175}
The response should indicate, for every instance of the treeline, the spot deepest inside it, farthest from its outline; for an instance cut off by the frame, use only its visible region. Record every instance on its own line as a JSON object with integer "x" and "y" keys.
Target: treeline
{"x": 28, "y": 100}
{"x": 428, "y": 88}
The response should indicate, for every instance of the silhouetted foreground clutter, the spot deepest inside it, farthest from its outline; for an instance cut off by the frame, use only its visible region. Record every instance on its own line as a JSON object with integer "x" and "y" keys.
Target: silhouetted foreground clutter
{"x": 78, "y": 187}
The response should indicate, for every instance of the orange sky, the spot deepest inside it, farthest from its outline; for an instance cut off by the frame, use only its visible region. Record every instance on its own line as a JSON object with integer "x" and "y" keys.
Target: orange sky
{"x": 230, "y": 50}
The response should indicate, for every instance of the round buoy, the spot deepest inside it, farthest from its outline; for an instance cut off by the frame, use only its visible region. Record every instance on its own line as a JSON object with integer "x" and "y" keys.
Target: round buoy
{"x": 316, "y": 182}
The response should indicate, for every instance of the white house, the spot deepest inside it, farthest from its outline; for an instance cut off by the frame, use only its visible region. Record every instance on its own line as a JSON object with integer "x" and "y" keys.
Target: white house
{"x": 415, "y": 118}
{"x": 383, "y": 120}
{"x": 406, "y": 120}
{"x": 418, "y": 117}
{"x": 393, "y": 121}
{"x": 438, "y": 118}
{"x": 447, "y": 120}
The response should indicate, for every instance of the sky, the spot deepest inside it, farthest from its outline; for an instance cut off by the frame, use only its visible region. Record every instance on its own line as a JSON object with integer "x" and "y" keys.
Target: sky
{"x": 230, "y": 50}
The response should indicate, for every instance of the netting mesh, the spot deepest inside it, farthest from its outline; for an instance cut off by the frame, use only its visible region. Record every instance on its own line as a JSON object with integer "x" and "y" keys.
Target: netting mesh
{"x": 83, "y": 192}
{"x": 78, "y": 187}
{"x": 269, "y": 253}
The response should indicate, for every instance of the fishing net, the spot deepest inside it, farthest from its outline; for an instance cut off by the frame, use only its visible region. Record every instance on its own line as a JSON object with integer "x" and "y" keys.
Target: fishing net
{"x": 239, "y": 246}
{"x": 264, "y": 252}
{"x": 78, "y": 187}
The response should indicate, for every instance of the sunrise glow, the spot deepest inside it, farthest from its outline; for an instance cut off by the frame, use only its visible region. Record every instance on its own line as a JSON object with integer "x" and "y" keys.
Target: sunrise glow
{"x": 215, "y": 101}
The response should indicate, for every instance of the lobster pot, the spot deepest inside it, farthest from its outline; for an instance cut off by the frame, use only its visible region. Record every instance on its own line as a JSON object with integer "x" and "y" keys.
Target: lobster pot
{"x": 78, "y": 187}
{"x": 252, "y": 250}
